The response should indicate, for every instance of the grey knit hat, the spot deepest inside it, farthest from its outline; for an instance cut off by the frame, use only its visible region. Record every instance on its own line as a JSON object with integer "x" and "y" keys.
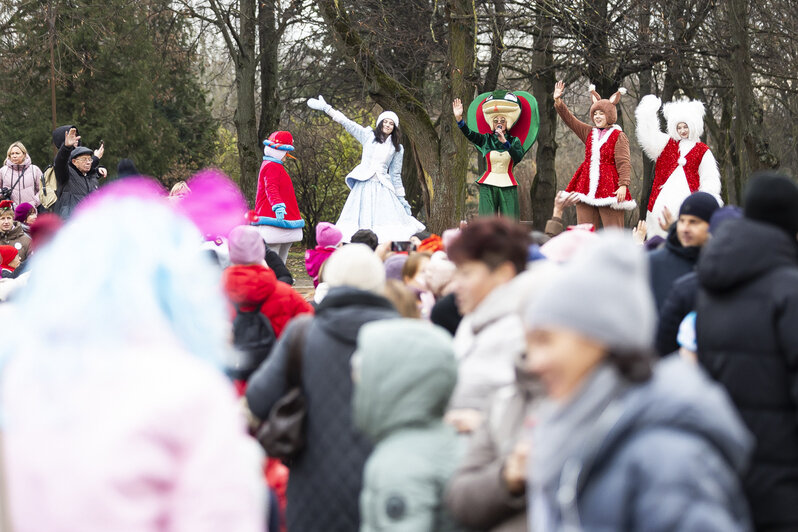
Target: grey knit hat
{"x": 603, "y": 294}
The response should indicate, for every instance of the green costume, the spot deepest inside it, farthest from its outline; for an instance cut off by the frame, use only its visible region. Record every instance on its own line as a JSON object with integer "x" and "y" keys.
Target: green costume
{"x": 498, "y": 189}
{"x": 405, "y": 372}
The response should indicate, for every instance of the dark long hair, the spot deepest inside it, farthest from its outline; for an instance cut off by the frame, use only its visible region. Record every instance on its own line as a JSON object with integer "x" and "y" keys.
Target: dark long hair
{"x": 396, "y": 135}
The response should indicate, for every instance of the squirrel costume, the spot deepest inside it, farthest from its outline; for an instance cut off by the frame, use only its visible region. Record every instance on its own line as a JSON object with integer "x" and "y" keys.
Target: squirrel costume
{"x": 277, "y": 214}
{"x": 607, "y": 165}
{"x": 517, "y": 114}
{"x": 376, "y": 199}
{"x": 683, "y": 164}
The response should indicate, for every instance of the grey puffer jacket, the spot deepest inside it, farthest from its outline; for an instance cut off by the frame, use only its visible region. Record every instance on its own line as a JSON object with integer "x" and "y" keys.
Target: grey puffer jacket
{"x": 326, "y": 478}
{"x": 667, "y": 456}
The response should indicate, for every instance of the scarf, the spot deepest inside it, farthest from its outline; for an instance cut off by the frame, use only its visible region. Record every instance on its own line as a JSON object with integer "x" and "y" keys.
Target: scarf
{"x": 271, "y": 159}
{"x": 561, "y": 434}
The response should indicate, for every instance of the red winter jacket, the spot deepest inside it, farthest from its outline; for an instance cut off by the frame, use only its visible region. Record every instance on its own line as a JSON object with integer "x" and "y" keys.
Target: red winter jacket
{"x": 249, "y": 285}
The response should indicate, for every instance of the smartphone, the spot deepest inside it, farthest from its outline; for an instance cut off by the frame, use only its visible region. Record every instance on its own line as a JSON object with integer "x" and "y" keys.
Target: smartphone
{"x": 402, "y": 246}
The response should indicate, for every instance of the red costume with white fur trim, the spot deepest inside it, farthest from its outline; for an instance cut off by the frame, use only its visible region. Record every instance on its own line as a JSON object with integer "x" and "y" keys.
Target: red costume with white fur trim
{"x": 596, "y": 180}
{"x": 275, "y": 187}
{"x": 684, "y": 163}
{"x": 669, "y": 160}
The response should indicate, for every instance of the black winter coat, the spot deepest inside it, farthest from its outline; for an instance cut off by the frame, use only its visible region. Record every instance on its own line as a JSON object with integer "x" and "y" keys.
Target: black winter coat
{"x": 668, "y": 263}
{"x": 679, "y": 303}
{"x": 326, "y": 479}
{"x": 747, "y": 333}
{"x": 276, "y": 264}
{"x": 73, "y": 185}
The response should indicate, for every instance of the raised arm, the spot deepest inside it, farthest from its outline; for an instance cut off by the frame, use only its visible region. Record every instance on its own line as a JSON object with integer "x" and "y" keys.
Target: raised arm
{"x": 361, "y": 133}
{"x": 474, "y": 137}
{"x": 651, "y": 139}
{"x": 61, "y": 162}
{"x": 581, "y": 129}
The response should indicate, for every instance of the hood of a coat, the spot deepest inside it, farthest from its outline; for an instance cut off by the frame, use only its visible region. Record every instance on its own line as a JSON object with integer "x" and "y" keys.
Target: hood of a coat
{"x": 59, "y": 133}
{"x": 345, "y": 309}
{"x": 19, "y": 167}
{"x": 406, "y": 372}
{"x": 742, "y": 250}
{"x": 681, "y": 397}
{"x": 250, "y": 284}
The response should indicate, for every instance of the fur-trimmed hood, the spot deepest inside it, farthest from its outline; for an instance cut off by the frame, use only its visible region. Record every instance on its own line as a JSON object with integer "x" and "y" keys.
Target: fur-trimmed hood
{"x": 691, "y": 112}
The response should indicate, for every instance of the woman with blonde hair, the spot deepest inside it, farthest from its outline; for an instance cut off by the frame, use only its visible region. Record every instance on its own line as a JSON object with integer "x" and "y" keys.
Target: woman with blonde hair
{"x": 20, "y": 180}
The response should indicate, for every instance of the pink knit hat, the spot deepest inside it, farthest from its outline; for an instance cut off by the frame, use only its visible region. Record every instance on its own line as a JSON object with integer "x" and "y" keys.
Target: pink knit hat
{"x": 246, "y": 245}
{"x": 327, "y": 235}
{"x": 564, "y": 246}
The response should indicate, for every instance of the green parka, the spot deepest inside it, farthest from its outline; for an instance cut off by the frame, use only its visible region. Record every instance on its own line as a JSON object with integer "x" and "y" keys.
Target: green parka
{"x": 405, "y": 372}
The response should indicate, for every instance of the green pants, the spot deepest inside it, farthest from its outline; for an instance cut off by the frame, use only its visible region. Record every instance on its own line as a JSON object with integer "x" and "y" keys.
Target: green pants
{"x": 498, "y": 200}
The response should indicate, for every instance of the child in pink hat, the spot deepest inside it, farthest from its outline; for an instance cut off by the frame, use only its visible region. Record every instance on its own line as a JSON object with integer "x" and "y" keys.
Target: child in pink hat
{"x": 328, "y": 239}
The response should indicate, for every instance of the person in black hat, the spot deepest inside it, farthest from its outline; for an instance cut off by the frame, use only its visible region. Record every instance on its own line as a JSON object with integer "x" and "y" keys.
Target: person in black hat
{"x": 126, "y": 168}
{"x": 680, "y": 253}
{"x": 76, "y": 173}
{"x": 748, "y": 340}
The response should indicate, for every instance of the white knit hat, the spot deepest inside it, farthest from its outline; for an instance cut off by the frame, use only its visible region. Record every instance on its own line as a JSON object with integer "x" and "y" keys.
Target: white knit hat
{"x": 357, "y": 266}
{"x": 388, "y": 114}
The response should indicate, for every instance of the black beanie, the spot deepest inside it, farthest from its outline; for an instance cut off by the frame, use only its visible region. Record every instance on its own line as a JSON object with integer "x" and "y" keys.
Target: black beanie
{"x": 772, "y": 198}
{"x": 700, "y": 205}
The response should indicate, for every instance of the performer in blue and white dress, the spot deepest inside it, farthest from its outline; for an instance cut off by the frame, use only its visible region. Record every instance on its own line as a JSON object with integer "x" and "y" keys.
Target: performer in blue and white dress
{"x": 377, "y": 196}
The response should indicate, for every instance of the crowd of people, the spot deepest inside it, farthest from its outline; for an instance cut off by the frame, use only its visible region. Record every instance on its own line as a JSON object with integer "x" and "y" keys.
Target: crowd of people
{"x": 488, "y": 378}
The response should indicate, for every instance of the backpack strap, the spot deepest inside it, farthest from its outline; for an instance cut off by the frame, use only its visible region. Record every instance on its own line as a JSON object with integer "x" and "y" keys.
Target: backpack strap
{"x": 15, "y": 183}
{"x": 44, "y": 183}
{"x": 296, "y": 346}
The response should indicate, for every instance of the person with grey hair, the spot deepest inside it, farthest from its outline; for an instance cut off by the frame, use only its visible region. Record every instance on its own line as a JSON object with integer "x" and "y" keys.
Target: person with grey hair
{"x": 621, "y": 444}
{"x": 326, "y": 477}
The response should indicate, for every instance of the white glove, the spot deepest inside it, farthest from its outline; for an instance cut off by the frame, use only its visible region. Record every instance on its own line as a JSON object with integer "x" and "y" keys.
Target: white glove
{"x": 650, "y": 101}
{"x": 319, "y": 104}
{"x": 406, "y": 205}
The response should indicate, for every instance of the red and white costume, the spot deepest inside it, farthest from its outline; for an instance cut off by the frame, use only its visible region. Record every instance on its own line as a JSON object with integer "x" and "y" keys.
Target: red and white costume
{"x": 276, "y": 198}
{"x": 597, "y": 179}
{"x": 683, "y": 166}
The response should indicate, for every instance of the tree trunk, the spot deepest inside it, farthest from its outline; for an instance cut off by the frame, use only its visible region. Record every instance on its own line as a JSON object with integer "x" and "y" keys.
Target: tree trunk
{"x": 249, "y": 153}
{"x": 751, "y": 148}
{"x": 544, "y": 187}
{"x": 449, "y": 186}
{"x": 646, "y": 87}
{"x": 269, "y": 40}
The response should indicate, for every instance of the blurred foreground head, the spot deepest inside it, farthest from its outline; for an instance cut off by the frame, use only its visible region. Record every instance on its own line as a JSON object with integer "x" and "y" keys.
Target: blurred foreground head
{"x": 127, "y": 269}
{"x": 598, "y": 307}
{"x": 773, "y": 199}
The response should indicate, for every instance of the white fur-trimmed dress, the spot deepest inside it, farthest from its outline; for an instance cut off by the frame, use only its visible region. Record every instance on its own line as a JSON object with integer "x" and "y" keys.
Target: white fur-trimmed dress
{"x": 683, "y": 166}
{"x": 375, "y": 188}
